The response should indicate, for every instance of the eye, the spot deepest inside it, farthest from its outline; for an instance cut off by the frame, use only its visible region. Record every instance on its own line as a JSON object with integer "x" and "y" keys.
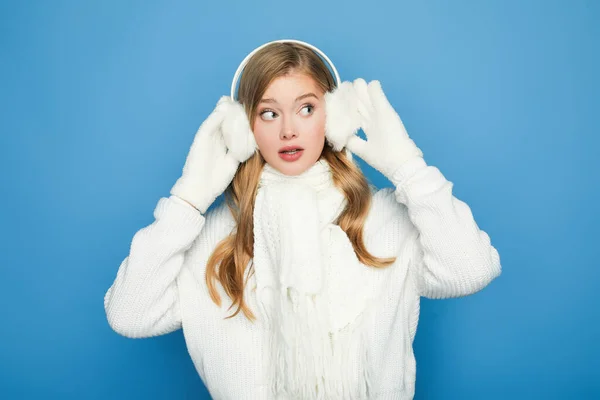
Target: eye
{"x": 310, "y": 106}
{"x": 266, "y": 112}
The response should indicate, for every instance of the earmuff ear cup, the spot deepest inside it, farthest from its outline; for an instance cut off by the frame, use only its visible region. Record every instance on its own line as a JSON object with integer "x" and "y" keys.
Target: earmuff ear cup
{"x": 237, "y": 133}
{"x": 342, "y": 117}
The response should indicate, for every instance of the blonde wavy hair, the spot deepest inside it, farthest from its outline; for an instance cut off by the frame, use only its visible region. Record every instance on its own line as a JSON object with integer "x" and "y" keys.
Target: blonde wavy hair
{"x": 228, "y": 262}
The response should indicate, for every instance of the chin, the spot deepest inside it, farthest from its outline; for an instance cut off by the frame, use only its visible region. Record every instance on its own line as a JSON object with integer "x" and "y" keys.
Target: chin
{"x": 293, "y": 168}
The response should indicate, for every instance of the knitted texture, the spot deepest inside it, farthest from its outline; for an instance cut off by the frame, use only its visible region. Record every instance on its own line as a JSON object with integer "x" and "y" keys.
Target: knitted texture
{"x": 314, "y": 319}
{"x": 441, "y": 253}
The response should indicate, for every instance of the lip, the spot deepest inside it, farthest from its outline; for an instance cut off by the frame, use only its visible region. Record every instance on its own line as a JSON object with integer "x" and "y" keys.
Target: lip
{"x": 288, "y": 148}
{"x": 291, "y": 157}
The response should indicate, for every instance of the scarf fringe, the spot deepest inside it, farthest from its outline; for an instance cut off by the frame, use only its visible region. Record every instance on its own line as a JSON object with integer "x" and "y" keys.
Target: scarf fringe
{"x": 309, "y": 361}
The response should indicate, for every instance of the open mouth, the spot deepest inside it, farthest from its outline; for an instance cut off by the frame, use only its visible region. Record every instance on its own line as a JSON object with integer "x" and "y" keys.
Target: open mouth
{"x": 291, "y": 153}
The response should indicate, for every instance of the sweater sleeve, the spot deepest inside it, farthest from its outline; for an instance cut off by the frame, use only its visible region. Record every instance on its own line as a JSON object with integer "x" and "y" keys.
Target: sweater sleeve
{"x": 143, "y": 300}
{"x": 451, "y": 256}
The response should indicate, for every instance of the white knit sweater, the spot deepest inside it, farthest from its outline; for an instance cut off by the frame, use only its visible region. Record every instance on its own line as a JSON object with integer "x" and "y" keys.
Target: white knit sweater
{"x": 441, "y": 253}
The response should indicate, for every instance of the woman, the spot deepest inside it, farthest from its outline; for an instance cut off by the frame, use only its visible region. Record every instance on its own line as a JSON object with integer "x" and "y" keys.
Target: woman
{"x": 305, "y": 283}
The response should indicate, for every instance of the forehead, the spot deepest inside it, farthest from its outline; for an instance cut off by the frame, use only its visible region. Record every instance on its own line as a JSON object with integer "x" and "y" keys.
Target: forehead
{"x": 290, "y": 86}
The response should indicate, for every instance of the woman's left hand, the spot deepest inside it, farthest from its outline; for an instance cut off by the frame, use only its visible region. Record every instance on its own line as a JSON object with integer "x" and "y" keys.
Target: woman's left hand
{"x": 388, "y": 145}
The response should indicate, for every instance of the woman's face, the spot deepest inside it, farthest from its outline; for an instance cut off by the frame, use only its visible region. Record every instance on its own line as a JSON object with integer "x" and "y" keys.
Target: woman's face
{"x": 291, "y": 114}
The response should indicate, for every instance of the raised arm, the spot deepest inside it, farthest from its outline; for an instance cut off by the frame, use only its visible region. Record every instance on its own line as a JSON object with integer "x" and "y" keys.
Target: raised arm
{"x": 451, "y": 256}
{"x": 143, "y": 300}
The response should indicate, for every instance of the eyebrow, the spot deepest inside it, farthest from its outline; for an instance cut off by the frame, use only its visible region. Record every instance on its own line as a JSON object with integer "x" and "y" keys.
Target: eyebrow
{"x": 269, "y": 100}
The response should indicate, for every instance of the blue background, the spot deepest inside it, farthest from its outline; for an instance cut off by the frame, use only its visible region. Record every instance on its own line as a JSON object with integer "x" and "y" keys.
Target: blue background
{"x": 100, "y": 102}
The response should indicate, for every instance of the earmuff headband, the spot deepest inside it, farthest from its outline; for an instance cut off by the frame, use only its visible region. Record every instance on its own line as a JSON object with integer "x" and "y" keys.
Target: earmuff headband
{"x": 245, "y": 61}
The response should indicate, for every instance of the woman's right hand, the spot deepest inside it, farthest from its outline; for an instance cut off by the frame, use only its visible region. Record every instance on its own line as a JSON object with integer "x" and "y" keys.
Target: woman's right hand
{"x": 223, "y": 141}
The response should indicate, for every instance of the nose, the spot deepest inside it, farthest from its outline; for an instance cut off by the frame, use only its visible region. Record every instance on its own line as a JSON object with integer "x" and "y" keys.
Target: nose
{"x": 288, "y": 130}
{"x": 288, "y": 135}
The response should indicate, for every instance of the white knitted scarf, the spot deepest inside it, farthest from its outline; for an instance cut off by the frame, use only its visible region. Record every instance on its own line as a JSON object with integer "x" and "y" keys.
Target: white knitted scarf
{"x": 309, "y": 286}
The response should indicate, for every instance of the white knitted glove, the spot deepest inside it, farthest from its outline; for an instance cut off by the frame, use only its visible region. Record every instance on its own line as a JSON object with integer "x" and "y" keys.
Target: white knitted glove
{"x": 342, "y": 119}
{"x": 222, "y": 142}
{"x": 388, "y": 144}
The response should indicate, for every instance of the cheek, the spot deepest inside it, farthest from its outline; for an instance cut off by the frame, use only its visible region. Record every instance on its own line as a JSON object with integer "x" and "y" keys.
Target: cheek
{"x": 315, "y": 126}
{"x": 264, "y": 134}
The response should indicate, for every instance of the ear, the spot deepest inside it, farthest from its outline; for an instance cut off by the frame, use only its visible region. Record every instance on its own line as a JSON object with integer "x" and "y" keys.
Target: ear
{"x": 342, "y": 119}
{"x": 237, "y": 133}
